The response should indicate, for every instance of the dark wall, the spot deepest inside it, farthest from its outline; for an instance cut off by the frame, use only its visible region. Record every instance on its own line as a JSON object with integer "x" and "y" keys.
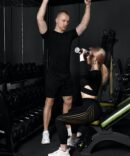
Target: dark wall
{"x": 1, "y": 35}
{"x": 23, "y": 42}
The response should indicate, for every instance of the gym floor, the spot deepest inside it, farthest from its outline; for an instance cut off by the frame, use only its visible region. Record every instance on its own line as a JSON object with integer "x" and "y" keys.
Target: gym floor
{"x": 33, "y": 147}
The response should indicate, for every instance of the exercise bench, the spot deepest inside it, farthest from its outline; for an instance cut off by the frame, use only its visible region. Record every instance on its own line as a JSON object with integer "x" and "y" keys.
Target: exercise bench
{"x": 104, "y": 129}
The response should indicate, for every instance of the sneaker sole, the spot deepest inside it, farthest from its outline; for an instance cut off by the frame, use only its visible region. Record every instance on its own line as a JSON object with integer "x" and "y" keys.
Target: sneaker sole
{"x": 45, "y": 143}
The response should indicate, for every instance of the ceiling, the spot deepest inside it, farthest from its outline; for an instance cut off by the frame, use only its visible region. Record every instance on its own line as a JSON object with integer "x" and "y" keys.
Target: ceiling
{"x": 35, "y": 3}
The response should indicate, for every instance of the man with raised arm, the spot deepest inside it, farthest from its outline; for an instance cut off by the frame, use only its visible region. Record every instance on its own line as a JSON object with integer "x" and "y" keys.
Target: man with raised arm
{"x": 58, "y": 43}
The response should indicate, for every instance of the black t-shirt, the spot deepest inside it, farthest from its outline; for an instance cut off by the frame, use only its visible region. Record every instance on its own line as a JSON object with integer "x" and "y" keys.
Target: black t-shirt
{"x": 59, "y": 46}
{"x": 89, "y": 77}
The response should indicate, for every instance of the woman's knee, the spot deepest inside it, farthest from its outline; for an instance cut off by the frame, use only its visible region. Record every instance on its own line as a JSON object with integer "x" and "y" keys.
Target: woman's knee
{"x": 67, "y": 101}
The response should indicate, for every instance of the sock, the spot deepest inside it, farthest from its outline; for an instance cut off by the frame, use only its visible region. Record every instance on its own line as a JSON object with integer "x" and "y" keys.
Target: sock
{"x": 69, "y": 131}
{"x": 46, "y": 131}
{"x": 64, "y": 150}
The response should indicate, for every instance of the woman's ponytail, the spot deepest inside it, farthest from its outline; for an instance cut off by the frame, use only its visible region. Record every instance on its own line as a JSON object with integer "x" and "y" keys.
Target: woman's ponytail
{"x": 105, "y": 73}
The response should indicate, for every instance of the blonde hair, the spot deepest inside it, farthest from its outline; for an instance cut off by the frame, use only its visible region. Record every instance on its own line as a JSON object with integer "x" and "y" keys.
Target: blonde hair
{"x": 100, "y": 54}
{"x": 105, "y": 74}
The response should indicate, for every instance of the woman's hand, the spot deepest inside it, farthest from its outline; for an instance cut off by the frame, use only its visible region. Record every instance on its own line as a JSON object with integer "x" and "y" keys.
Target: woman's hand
{"x": 81, "y": 57}
{"x": 84, "y": 51}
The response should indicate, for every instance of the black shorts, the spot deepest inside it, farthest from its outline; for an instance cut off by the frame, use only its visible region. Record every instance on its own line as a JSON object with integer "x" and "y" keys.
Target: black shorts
{"x": 56, "y": 85}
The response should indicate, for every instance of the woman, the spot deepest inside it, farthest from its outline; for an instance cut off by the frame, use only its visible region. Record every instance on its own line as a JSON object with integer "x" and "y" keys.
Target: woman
{"x": 93, "y": 75}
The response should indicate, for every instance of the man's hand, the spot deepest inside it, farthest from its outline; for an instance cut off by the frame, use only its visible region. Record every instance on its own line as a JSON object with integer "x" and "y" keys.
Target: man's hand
{"x": 45, "y": 0}
{"x": 87, "y": 2}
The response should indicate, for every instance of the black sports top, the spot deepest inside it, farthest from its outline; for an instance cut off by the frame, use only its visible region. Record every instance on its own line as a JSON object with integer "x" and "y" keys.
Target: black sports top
{"x": 59, "y": 48}
{"x": 89, "y": 77}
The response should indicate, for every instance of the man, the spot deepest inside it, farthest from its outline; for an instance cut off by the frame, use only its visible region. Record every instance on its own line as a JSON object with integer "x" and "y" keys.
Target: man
{"x": 58, "y": 42}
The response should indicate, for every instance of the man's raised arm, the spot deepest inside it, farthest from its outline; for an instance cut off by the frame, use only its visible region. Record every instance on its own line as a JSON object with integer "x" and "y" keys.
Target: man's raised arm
{"x": 85, "y": 19}
{"x": 41, "y": 17}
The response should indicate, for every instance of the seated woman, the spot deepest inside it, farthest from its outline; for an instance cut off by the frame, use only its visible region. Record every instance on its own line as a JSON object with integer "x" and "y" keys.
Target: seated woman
{"x": 93, "y": 75}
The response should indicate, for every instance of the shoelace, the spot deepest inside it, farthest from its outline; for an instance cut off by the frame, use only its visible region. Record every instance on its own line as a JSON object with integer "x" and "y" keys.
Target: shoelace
{"x": 45, "y": 136}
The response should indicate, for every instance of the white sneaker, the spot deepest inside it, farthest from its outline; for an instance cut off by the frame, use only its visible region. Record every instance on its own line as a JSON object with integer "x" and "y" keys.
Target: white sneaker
{"x": 45, "y": 138}
{"x": 72, "y": 141}
{"x": 59, "y": 152}
{"x": 79, "y": 134}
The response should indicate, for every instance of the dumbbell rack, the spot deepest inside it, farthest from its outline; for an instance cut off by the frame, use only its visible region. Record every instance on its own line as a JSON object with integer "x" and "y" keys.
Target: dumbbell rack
{"x": 21, "y": 104}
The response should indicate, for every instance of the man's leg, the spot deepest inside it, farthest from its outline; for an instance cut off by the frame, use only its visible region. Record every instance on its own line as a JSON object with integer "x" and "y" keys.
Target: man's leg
{"x": 47, "y": 112}
{"x": 66, "y": 107}
{"x": 46, "y": 119}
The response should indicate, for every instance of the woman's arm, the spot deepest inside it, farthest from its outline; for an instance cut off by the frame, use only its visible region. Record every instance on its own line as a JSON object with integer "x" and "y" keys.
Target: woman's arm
{"x": 84, "y": 68}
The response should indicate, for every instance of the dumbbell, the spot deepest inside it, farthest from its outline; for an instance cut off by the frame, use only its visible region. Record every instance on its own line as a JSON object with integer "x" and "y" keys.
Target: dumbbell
{"x": 15, "y": 99}
{"x": 27, "y": 124}
{"x": 18, "y": 130}
{"x": 36, "y": 116}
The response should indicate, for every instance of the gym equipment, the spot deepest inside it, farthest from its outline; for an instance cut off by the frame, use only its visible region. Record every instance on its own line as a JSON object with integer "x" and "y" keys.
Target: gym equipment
{"x": 104, "y": 129}
{"x": 117, "y": 84}
{"x": 17, "y": 72}
{"x": 21, "y": 102}
{"x": 121, "y": 81}
{"x": 108, "y": 42}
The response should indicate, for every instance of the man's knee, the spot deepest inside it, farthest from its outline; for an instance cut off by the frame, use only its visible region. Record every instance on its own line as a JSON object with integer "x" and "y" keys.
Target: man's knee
{"x": 49, "y": 102}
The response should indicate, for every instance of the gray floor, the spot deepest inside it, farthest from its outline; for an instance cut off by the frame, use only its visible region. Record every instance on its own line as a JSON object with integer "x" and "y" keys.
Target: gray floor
{"x": 33, "y": 147}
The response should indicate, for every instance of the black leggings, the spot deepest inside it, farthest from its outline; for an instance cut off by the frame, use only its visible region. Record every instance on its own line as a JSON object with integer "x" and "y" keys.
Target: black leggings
{"x": 83, "y": 115}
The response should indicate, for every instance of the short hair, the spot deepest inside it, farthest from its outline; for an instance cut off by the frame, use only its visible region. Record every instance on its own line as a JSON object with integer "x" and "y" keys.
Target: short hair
{"x": 62, "y": 11}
